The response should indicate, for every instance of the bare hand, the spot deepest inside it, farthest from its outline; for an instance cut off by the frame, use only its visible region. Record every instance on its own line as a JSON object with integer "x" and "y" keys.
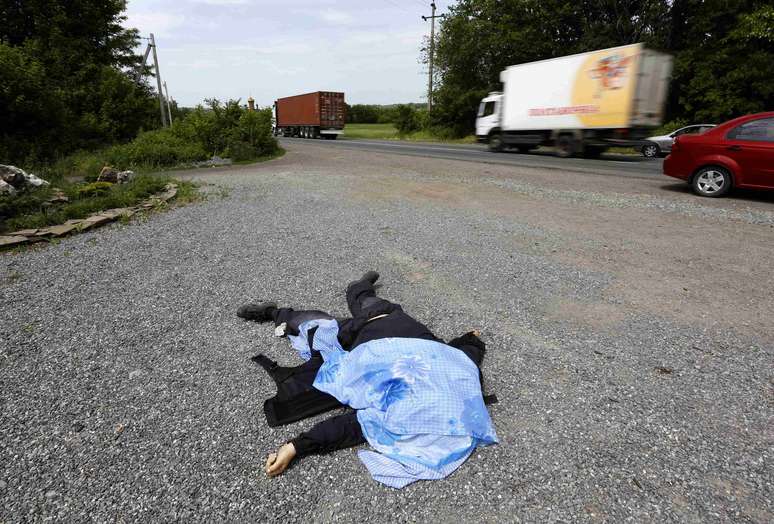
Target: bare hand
{"x": 279, "y": 461}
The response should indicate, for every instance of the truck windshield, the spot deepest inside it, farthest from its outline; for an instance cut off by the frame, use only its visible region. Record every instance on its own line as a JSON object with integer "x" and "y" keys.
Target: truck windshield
{"x": 486, "y": 109}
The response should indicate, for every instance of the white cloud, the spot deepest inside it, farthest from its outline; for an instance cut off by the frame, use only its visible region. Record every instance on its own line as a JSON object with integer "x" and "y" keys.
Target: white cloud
{"x": 333, "y": 16}
{"x": 156, "y": 22}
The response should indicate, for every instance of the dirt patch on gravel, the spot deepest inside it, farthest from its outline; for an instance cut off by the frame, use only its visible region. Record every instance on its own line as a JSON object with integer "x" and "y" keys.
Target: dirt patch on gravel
{"x": 699, "y": 270}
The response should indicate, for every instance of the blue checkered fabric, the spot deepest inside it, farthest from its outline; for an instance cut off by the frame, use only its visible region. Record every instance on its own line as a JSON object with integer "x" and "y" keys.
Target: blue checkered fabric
{"x": 419, "y": 402}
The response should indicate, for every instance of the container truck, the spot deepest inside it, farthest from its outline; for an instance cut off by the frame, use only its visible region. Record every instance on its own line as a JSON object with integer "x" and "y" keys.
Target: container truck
{"x": 580, "y": 104}
{"x": 320, "y": 114}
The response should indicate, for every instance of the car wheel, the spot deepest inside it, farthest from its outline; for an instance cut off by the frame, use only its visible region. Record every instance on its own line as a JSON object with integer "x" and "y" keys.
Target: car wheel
{"x": 495, "y": 142}
{"x": 651, "y": 151}
{"x": 712, "y": 181}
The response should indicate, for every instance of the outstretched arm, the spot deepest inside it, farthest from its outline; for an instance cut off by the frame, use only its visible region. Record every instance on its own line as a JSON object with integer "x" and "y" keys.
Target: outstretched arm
{"x": 471, "y": 345}
{"x": 339, "y": 432}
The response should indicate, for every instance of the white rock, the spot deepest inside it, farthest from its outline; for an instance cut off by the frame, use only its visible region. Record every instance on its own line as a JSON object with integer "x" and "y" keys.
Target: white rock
{"x": 34, "y": 181}
{"x": 19, "y": 178}
{"x": 124, "y": 176}
{"x": 6, "y": 188}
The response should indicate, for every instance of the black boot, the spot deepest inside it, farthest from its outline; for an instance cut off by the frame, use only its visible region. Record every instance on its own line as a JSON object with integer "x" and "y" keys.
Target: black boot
{"x": 262, "y": 312}
{"x": 371, "y": 276}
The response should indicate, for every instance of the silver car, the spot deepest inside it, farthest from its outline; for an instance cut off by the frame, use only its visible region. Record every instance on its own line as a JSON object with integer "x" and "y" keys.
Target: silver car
{"x": 662, "y": 145}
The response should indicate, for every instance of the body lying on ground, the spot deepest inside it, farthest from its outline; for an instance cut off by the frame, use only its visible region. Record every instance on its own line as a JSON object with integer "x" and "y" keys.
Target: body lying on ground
{"x": 415, "y": 399}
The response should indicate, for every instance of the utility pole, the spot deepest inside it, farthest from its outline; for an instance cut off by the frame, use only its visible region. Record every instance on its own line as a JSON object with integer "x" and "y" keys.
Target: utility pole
{"x": 158, "y": 80}
{"x": 432, "y": 18}
{"x": 169, "y": 110}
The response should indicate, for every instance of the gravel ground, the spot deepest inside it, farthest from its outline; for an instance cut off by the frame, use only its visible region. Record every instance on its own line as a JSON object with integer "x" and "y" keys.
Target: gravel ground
{"x": 629, "y": 334}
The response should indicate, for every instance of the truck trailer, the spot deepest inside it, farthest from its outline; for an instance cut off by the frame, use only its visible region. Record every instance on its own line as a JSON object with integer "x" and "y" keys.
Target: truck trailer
{"x": 321, "y": 114}
{"x": 580, "y": 104}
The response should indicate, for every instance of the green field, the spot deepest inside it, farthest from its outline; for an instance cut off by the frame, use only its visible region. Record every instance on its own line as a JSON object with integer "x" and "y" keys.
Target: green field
{"x": 388, "y": 132}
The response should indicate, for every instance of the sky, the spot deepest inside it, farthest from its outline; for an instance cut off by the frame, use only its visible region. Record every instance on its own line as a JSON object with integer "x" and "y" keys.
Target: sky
{"x": 369, "y": 49}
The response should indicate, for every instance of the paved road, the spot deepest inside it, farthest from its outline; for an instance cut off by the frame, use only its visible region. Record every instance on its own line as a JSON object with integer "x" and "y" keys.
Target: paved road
{"x": 609, "y": 164}
{"x": 628, "y": 330}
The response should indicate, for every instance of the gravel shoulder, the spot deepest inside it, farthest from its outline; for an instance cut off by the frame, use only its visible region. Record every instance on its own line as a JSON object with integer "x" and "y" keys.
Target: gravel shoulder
{"x": 628, "y": 327}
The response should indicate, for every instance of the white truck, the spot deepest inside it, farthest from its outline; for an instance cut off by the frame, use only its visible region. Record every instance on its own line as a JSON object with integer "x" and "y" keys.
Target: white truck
{"x": 581, "y": 104}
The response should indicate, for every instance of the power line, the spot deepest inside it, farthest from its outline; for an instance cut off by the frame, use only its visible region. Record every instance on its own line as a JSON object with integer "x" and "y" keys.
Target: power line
{"x": 402, "y": 8}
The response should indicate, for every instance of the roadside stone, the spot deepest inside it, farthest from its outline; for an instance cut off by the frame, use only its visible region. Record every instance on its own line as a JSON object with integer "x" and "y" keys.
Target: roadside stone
{"x": 94, "y": 221}
{"x": 34, "y": 181}
{"x": 12, "y": 175}
{"x": 13, "y": 240}
{"x": 124, "y": 176}
{"x": 62, "y": 229}
{"x": 6, "y": 188}
{"x": 108, "y": 174}
{"x": 117, "y": 212}
{"x": 169, "y": 194}
{"x": 19, "y": 178}
{"x": 25, "y": 232}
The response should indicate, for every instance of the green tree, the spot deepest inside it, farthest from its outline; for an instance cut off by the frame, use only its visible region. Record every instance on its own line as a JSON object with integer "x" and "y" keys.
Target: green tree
{"x": 724, "y": 59}
{"x": 80, "y": 92}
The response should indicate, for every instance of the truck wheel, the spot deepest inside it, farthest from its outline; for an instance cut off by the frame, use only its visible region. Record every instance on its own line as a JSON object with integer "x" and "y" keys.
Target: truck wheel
{"x": 495, "y": 142}
{"x": 524, "y": 149}
{"x": 566, "y": 146}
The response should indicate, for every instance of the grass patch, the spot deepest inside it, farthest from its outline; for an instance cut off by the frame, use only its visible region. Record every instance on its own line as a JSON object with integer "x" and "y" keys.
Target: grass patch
{"x": 390, "y": 132}
{"x": 31, "y": 210}
{"x": 276, "y": 154}
{"x": 623, "y": 151}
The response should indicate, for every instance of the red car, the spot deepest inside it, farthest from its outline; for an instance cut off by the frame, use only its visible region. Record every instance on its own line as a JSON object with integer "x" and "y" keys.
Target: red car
{"x": 738, "y": 153}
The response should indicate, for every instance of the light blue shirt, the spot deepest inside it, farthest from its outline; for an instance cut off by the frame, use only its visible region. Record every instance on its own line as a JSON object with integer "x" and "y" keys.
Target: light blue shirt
{"x": 419, "y": 402}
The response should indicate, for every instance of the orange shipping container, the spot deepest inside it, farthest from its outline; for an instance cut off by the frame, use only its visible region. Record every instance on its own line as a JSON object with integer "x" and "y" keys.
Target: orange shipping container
{"x": 323, "y": 109}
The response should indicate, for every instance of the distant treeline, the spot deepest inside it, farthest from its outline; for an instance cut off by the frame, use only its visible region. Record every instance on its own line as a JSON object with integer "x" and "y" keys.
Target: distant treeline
{"x": 375, "y": 114}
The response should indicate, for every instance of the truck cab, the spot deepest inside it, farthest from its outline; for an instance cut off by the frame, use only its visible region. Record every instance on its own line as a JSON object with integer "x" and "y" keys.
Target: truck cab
{"x": 488, "y": 119}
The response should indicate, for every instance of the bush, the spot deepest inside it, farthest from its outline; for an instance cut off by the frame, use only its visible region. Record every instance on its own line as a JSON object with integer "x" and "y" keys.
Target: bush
{"x": 223, "y": 129}
{"x": 406, "y": 120}
{"x": 155, "y": 149}
{"x": 94, "y": 189}
{"x": 239, "y": 151}
{"x": 671, "y": 126}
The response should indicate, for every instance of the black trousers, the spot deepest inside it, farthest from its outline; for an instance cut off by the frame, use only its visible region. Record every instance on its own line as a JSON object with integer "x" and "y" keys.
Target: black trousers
{"x": 364, "y": 305}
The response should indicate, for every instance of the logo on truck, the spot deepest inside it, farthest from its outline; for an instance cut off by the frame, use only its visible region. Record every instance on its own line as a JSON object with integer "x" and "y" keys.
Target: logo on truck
{"x": 611, "y": 72}
{"x": 606, "y": 79}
